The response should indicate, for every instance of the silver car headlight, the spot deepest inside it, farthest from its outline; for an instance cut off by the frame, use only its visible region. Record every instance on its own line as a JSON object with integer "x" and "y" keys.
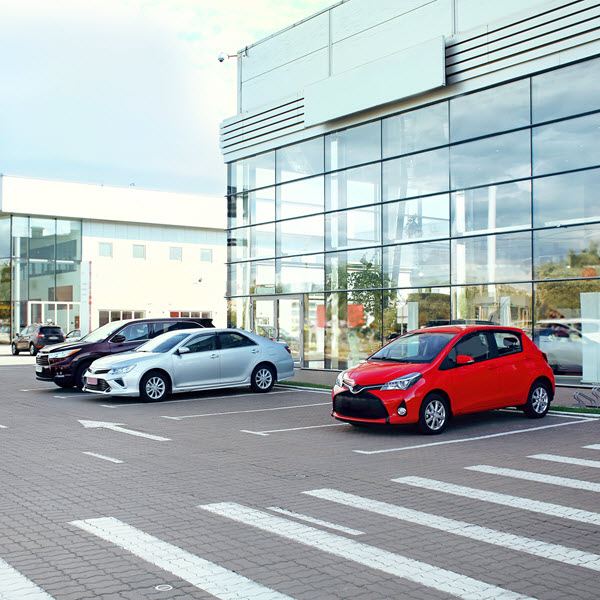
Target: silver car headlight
{"x": 121, "y": 370}
{"x": 340, "y": 379}
{"x": 402, "y": 383}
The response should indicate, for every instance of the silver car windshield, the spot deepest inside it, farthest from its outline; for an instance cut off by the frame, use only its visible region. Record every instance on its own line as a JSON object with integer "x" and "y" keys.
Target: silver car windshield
{"x": 414, "y": 347}
{"x": 162, "y": 343}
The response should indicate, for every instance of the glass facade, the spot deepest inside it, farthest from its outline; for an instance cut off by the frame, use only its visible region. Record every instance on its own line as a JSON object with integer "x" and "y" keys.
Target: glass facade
{"x": 40, "y": 266}
{"x": 478, "y": 208}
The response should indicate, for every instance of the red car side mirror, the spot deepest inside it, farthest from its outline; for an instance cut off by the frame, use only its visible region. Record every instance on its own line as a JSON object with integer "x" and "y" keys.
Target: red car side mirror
{"x": 463, "y": 359}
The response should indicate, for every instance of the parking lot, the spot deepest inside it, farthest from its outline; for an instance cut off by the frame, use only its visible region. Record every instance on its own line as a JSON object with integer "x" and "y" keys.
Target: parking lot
{"x": 231, "y": 494}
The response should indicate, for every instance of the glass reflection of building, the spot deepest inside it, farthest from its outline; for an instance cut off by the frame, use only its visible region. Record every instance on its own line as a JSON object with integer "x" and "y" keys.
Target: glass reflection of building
{"x": 40, "y": 262}
{"x": 482, "y": 207}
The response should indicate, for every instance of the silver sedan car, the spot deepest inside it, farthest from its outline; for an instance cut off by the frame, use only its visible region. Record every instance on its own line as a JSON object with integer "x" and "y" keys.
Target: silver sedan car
{"x": 191, "y": 359}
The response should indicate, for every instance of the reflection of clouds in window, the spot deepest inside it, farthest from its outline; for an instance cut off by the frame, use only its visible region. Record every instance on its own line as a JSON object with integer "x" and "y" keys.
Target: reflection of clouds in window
{"x": 300, "y": 198}
{"x": 353, "y": 228}
{"x": 300, "y": 236}
{"x": 353, "y": 146}
{"x": 567, "y": 145}
{"x": 497, "y": 109}
{"x": 300, "y": 160}
{"x": 410, "y": 265}
{"x": 421, "y": 218}
{"x": 257, "y": 171}
{"x": 353, "y": 187}
{"x": 300, "y": 274}
{"x": 495, "y": 159}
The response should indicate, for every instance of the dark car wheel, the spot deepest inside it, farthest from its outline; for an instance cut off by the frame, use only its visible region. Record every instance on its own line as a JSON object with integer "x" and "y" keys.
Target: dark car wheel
{"x": 32, "y": 350}
{"x": 263, "y": 378}
{"x": 154, "y": 387}
{"x": 79, "y": 375}
{"x": 13, "y": 349}
{"x": 538, "y": 401}
{"x": 433, "y": 415}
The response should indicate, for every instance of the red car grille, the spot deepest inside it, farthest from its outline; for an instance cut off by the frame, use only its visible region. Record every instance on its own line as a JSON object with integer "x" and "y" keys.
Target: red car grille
{"x": 359, "y": 406}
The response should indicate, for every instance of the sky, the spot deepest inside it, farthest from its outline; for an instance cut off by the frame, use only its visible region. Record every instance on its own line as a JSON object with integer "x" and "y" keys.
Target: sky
{"x": 126, "y": 92}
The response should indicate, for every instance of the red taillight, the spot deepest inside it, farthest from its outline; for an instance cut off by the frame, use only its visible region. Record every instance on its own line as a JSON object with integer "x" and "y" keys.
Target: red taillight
{"x": 288, "y": 349}
{"x": 39, "y": 335}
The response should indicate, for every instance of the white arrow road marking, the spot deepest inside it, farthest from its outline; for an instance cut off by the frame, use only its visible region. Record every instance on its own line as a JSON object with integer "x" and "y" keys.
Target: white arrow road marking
{"x": 114, "y": 460}
{"x": 576, "y": 484}
{"x": 241, "y": 412}
{"x": 581, "y": 462}
{"x": 16, "y": 586}
{"x": 593, "y": 446}
{"x": 563, "y": 554}
{"x": 542, "y": 508}
{"x": 201, "y": 573}
{"x": 295, "y": 515}
{"x": 268, "y": 432}
{"x": 473, "y": 439}
{"x": 117, "y": 427}
{"x": 419, "y": 572}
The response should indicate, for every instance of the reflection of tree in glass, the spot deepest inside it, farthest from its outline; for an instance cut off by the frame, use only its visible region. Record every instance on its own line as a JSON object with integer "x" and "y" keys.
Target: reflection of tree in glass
{"x": 5, "y": 293}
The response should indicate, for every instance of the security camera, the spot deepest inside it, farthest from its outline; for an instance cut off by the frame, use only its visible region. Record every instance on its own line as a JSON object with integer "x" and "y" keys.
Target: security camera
{"x": 222, "y": 56}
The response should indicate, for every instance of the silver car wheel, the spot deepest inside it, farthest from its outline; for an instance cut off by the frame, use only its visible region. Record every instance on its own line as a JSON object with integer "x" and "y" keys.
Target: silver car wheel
{"x": 539, "y": 399}
{"x": 263, "y": 378}
{"x": 435, "y": 415}
{"x": 155, "y": 388}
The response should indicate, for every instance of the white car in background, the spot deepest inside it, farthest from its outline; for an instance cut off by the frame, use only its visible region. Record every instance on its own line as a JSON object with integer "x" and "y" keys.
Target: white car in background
{"x": 191, "y": 359}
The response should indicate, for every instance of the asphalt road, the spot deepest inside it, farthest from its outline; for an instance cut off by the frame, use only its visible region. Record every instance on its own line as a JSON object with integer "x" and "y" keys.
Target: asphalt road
{"x": 236, "y": 495}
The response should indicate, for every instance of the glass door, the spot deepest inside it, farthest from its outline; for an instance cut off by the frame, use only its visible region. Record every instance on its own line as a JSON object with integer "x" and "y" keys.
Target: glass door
{"x": 280, "y": 319}
{"x": 63, "y": 314}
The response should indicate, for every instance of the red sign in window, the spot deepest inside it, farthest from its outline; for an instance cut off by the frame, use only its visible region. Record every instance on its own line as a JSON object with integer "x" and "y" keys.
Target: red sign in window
{"x": 356, "y": 315}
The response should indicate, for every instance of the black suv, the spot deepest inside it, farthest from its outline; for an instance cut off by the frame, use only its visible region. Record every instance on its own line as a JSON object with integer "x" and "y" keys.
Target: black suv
{"x": 36, "y": 336}
{"x": 65, "y": 364}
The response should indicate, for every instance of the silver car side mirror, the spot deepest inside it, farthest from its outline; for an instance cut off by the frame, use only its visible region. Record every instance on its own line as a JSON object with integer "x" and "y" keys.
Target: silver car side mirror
{"x": 183, "y": 350}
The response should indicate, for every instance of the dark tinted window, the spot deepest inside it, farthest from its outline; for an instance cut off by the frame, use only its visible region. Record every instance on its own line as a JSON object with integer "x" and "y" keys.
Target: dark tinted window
{"x": 476, "y": 346}
{"x": 203, "y": 343}
{"x": 164, "y": 326}
{"x": 51, "y": 330}
{"x": 507, "y": 342}
{"x": 234, "y": 340}
{"x": 137, "y": 331}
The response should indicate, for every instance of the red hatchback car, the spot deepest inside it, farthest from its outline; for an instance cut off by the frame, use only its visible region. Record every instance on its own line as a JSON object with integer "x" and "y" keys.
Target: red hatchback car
{"x": 428, "y": 375}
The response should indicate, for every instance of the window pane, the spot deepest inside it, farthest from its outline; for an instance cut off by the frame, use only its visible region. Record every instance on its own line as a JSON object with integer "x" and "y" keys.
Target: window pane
{"x": 4, "y": 284}
{"x": 41, "y": 280}
{"x": 238, "y": 283}
{"x": 238, "y": 313}
{"x": 175, "y": 253}
{"x": 300, "y": 198}
{"x": 407, "y": 310}
{"x": 354, "y": 187}
{"x": 420, "y": 218}
{"x": 251, "y": 173}
{"x": 300, "y": 236}
{"x": 417, "y": 265}
{"x": 508, "y": 305}
{"x": 4, "y": 237}
{"x": 492, "y": 258}
{"x": 567, "y": 252}
{"x": 251, "y": 207}
{"x": 139, "y": 251}
{"x": 353, "y": 146}
{"x": 416, "y": 175}
{"x": 104, "y": 249}
{"x": 314, "y": 331}
{"x": 20, "y": 237}
{"x": 567, "y": 91}
{"x": 68, "y": 240}
{"x": 300, "y": 274}
{"x": 566, "y": 145}
{"x": 252, "y": 242}
{"x": 353, "y": 327}
{"x": 353, "y": 228}
{"x": 355, "y": 269}
{"x": 416, "y": 130}
{"x": 262, "y": 277}
{"x": 494, "y": 208}
{"x": 499, "y": 158}
{"x": 300, "y": 160}
{"x": 205, "y": 255}
{"x": 42, "y": 238}
{"x": 490, "y": 111}
{"x": 582, "y": 189}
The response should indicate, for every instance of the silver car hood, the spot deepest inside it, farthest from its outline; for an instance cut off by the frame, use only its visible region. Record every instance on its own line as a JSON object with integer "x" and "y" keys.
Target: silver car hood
{"x": 125, "y": 359}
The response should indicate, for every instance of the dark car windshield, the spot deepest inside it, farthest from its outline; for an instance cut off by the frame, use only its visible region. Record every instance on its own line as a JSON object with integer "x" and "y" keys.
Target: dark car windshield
{"x": 416, "y": 347}
{"x": 51, "y": 331}
{"x": 100, "y": 334}
{"x": 162, "y": 343}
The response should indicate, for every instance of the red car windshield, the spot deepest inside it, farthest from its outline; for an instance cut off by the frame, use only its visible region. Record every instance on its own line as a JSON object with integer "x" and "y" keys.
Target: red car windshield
{"x": 414, "y": 347}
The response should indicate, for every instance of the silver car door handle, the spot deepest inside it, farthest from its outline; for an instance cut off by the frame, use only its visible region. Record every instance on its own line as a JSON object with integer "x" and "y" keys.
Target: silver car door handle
{"x": 214, "y": 356}
{"x": 255, "y": 351}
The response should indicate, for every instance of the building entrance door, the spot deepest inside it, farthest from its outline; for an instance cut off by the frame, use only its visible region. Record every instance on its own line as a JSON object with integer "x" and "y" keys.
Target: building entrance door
{"x": 63, "y": 314}
{"x": 281, "y": 319}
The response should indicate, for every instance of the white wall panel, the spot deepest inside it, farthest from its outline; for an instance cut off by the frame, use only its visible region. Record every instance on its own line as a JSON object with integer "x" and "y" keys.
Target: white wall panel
{"x": 429, "y": 21}
{"x": 280, "y": 82}
{"x": 473, "y": 13}
{"x": 290, "y": 45}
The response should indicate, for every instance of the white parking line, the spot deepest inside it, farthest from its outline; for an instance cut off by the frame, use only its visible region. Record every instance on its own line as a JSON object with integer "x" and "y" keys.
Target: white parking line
{"x": 562, "y": 554}
{"x": 398, "y": 565}
{"x": 241, "y": 412}
{"x": 201, "y": 573}
{"x": 3, "y": 427}
{"x": 542, "y": 508}
{"x": 581, "y": 462}
{"x": 269, "y": 432}
{"x": 593, "y": 446}
{"x": 473, "y": 439}
{"x": 114, "y": 460}
{"x": 186, "y": 400}
{"x": 576, "y": 484}
{"x": 16, "y": 586}
{"x": 289, "y": 513}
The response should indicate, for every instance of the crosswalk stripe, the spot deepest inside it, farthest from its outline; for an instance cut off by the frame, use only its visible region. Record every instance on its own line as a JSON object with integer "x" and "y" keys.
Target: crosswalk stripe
{"x": 416, "y": 571}
{"x": 576, "y": 484}
{"x": 16, "y": 586}
{"x": 201, "y": 573}
{"x": 581, "y": 462}
{"x": 327, "y": 524}
{"x": 562, "y": 554}
{"x": 545, "y": 508}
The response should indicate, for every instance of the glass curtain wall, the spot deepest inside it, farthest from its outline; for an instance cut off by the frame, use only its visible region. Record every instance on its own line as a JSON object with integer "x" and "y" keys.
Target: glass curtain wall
{"x": 40, "y": 264}
{"x": 481, "y": 208}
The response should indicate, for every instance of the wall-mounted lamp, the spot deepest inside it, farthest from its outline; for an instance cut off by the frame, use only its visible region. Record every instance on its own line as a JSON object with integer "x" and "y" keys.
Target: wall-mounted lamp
{"x": 223, "y": 56}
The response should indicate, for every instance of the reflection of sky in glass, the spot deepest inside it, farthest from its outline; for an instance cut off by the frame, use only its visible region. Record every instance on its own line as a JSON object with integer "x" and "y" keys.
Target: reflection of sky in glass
{"x": 353, "y": 228}
{"x": 299, "y": 236}
{"x": 340, "y": 264}
{"x": 301, "y": 274}
{"x": 353, "y": 146}
{"x": 250, "y": 173}
{"x": 300, "y": 198}
{"x": 300, "y": 160}
{"x": 412, "y": 220}
{"x": 411, "y": 265}
{"x": 353, "y": 187}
